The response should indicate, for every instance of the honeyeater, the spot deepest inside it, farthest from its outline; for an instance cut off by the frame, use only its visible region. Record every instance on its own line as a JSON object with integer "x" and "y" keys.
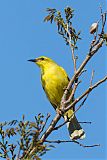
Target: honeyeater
{"x": 54, "y": 80}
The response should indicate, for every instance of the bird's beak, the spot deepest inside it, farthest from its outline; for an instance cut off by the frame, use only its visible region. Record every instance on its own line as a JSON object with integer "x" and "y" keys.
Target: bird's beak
{"x": 32, "y": 60}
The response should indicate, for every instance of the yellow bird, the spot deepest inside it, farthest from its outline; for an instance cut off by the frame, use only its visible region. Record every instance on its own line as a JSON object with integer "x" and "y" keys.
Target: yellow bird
{"x": 54, "y": 79}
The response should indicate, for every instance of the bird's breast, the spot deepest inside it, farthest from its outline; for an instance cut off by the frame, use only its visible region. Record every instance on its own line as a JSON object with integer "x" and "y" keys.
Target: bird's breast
{"x": 54, "y": 84}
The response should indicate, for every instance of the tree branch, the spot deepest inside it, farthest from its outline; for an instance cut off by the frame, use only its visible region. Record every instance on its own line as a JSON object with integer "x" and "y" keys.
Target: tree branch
{"x": 73, "y": 91}
{"x": 48, "y": 116}
{"x": 72, "y": 47}
{"x": 88, "y": 57}
{"x": 85, "y": 93}
{"x": 80, "y": 144}
{"x": 86, "y": 122}
{"x": 67, "y": 120}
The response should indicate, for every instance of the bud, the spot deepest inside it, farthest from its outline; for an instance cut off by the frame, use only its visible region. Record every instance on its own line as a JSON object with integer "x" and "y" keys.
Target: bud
{"x": 59, "y": 13}
{"x": 105, "y": 36}
{"x": 93, "y": 28}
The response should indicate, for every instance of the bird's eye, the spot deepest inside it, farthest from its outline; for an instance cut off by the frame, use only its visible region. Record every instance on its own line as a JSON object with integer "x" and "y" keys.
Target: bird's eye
{"x": 42, "y": 58}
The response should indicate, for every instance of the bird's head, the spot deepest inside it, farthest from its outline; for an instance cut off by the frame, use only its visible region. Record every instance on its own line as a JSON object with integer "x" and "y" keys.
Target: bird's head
{"x": 43, "y": 62}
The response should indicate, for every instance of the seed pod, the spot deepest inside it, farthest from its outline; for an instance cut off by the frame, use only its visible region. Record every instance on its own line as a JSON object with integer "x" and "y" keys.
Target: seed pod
{"x": 93, "y": 28}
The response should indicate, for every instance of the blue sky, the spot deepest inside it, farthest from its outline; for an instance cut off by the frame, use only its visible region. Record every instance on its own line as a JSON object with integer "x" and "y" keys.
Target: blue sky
{"x": 24, "y": 35}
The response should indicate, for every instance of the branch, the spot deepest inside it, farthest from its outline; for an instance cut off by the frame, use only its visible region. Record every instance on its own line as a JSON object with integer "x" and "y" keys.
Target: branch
{"x": 73, "y": 91}
{"x": 67, "y": 120}
{"x": 84, "y": 70}
{"x": 93, "y": 49}
{"x": 86, "y": 122}
{"x": 103, "y": 17}
{"x": 73, "y": 58}
{"x": 72, "y": 47}
{"x": 80, "y": 144}
{"x": 48, "y": 116}
{"x": 50, "y": 128}
{"x": 84, "y": 100}
{"x": 85, "y": 93}
{"x": 88, "y": 57}
{"x": 59, "y": 126}
{"x": 48, "y": 131}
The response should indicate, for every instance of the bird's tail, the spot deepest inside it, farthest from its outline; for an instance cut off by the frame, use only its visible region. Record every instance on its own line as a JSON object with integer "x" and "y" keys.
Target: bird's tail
{"x": 74, "y": 128}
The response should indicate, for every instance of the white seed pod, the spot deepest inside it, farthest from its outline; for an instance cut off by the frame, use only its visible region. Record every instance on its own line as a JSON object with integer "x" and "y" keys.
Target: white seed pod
{"x": 93, "y": 28}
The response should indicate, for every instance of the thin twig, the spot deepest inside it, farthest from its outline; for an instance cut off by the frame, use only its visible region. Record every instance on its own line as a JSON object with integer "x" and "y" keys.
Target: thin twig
{"x": 82, "y": 103}
{"x": 48, "y": 116}
{"x": 48, "y": 131}
{"x": 103, "y": 18}
{"x": 86, "y": 122}
{"x": 65, "y": 141}
{"x": 72, "y": 48}
{"x": 73, "y": 92}
{"x": 18, "y": 156}
{"x": 59, "y": 126}
{"x": 67, "y": 120}
{"x": 73, "y": 58}
{"x": 84, "y": 70}
{"x": 84, "y": 100}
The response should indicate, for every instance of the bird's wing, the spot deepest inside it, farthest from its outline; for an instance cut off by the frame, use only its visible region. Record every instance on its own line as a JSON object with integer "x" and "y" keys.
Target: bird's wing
{"x": 65, "y": 74}
{"x": 68, "y": 82}
{"x": 43, "y": 86}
